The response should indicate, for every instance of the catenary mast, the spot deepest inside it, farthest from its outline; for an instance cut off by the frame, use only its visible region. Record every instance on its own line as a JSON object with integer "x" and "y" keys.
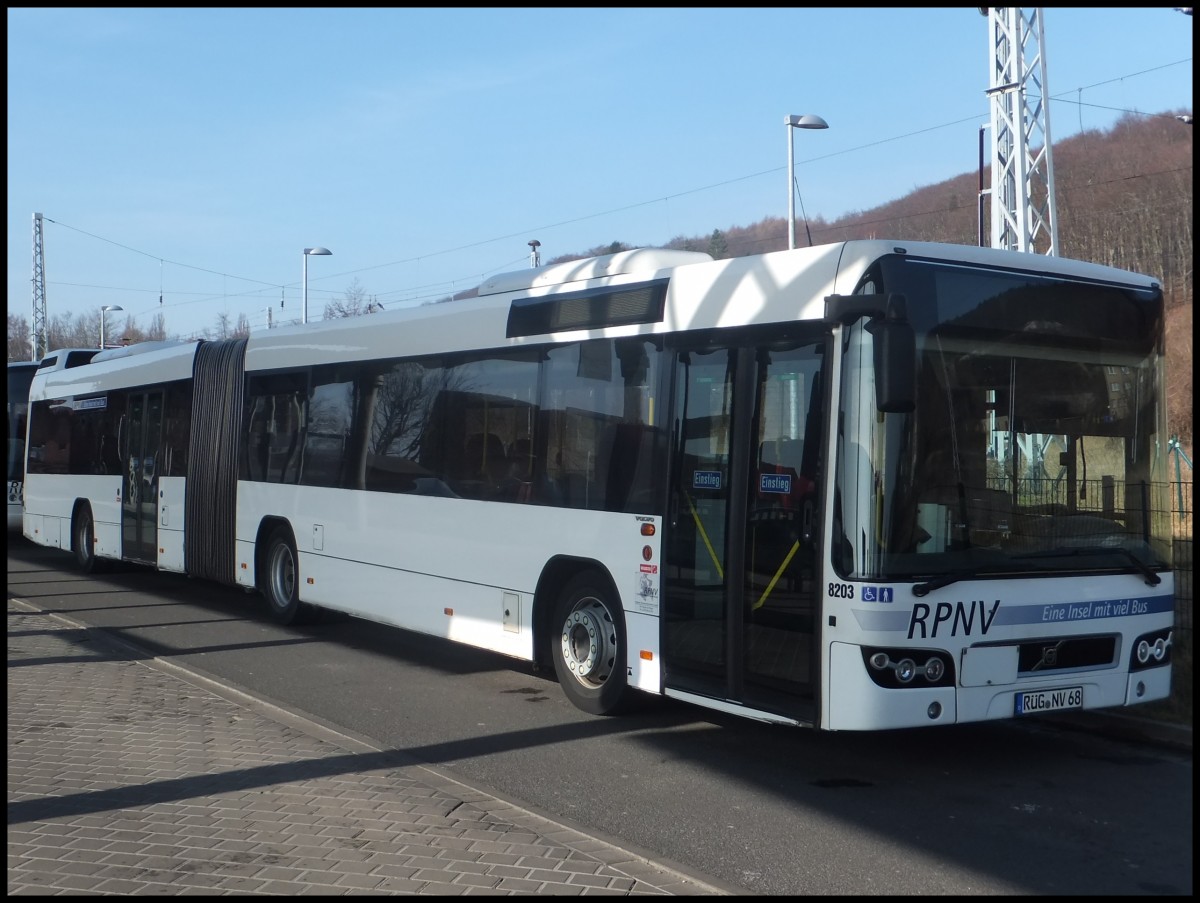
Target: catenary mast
{"x": 1023, "y": 207}
{"x": 37, "y": 335}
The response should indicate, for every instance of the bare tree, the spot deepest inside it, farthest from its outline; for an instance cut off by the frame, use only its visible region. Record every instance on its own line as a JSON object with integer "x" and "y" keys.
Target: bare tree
{"x": 19, "y": 345}
{"x": 353, "y": 303}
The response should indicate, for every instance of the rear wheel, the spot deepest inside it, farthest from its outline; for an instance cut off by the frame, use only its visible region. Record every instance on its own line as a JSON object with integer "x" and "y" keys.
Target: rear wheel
{"x": 280, "y": 580}
{"x": 83, "y": 540}
{"x": 589, "y": 646}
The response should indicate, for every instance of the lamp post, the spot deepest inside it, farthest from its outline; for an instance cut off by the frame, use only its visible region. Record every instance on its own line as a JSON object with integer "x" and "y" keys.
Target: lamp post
{"x": 105, "y": 309}
{"x": 807, "y": 121}
{"x": 309, "y": 252}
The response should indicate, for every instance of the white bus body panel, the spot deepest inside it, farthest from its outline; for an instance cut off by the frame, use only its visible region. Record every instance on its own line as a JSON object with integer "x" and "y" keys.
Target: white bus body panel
{"x": 460, "y": 569}
{"x": 171, "y": 513}
{"x": 52, "y": 500}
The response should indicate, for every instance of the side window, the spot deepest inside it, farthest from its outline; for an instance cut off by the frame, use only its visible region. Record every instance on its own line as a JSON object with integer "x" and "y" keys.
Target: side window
{"x": 598, "y": 410}
{"x": 49, "y": 437}
{"x": 331, "y": 402}
{"x": 275, "y": 420}
{"x": 177, "y": 430}
{"x": 402, "y": 452}
{"x": 484, "y": 417}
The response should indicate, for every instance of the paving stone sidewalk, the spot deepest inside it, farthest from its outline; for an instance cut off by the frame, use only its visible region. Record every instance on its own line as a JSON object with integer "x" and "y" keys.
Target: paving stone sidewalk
{"x": 130, "y": 776}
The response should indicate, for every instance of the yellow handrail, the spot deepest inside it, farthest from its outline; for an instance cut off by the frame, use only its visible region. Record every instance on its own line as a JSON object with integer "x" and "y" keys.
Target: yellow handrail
{"x": 703, "y": 535}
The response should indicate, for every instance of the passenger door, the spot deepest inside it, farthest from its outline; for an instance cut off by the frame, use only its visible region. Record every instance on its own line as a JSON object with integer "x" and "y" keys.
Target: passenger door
{"x": 740, "y": 593}
{"x": 141, "y": 446}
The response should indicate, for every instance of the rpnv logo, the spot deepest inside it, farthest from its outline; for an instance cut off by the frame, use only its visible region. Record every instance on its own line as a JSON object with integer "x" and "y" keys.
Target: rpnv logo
{"x": 706, "y": 479}
{"x": 877, "y": 594}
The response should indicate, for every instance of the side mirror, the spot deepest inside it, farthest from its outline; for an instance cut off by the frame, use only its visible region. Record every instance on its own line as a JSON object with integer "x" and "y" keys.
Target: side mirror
{"x": 895, "y": 345}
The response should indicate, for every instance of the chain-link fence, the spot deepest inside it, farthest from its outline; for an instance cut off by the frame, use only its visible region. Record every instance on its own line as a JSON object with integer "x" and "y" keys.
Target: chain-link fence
{"x": 1106, "y": 505}
{"x": 1182, "y": 523}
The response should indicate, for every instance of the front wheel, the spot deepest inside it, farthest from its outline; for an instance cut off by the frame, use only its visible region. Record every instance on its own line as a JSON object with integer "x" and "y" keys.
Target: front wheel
{"x": 279, "y": 581}
{"x": 589, "y": 646}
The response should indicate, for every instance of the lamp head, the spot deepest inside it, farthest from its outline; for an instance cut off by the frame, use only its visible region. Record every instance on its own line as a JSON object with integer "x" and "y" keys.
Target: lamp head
{"x": 807, "y": 121}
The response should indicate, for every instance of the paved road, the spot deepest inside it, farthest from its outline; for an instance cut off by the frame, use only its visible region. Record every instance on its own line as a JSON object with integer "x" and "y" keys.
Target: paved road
{"x": 129, "y": 775}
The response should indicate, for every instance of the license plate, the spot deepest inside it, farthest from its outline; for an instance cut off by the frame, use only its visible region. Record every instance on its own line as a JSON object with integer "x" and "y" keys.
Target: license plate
{"x": 1049, "y": 700}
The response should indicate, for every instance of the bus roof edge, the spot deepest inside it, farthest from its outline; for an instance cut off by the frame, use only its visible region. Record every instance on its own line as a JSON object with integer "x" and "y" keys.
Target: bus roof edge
{"x": 637, "y": 260}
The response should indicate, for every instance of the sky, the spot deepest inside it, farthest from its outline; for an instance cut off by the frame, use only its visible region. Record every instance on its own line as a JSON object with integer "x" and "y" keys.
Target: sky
{"x": 191, "y": 155}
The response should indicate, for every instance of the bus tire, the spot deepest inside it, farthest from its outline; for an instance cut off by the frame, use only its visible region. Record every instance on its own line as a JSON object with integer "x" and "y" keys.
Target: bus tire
{"x": 280, "y": 583}
{"x": 83, "y": 540}
{"x": 588, "y": 646}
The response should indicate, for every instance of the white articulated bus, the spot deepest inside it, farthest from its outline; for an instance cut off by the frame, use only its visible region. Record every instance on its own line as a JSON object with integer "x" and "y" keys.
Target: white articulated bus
{"x": 858, "y": 486}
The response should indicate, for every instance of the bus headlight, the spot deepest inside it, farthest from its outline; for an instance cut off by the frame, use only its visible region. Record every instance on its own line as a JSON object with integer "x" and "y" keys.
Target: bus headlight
{"x": 897, "y": 668}
{"x": 1151, "y": 650}
{"x": 934, "y": 669}
{"x": 1143, "y": 652}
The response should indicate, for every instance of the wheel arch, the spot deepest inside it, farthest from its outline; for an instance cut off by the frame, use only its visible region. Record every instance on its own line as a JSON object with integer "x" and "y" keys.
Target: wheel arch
{"x": 76, "y": 509}
{"x": 79, "y": 505}
{"x": 555, "y": 575}
{"x": 267, "y": 526}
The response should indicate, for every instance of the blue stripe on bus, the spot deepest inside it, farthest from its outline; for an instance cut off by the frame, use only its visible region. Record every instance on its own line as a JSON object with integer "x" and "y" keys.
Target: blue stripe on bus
{"x": 882, "y": 620}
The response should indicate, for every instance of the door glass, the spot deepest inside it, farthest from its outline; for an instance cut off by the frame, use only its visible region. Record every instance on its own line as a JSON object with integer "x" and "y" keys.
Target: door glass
{"x": 696, "y": 629}
{"x": 779, "y": 594}
{"x": 139, "y": 511}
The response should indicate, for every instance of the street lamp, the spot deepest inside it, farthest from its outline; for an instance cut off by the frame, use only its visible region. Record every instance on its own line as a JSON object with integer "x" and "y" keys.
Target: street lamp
{"x": 807, "y": 121}
{"x": 103, "y": 311}
{"x": 308, "y": 252}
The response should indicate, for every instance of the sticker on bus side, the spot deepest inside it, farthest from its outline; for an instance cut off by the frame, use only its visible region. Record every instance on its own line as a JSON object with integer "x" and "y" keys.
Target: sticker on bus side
{"x": 645, "y": 597}
{"x": 706, "y": 479}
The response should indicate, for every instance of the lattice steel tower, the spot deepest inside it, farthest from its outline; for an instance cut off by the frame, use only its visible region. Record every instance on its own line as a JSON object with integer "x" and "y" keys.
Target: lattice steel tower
{"x": 1023, "y": 209}
{"x": 37, "y": 334}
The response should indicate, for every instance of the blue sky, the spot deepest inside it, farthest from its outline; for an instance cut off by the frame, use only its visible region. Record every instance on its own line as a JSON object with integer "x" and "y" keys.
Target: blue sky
{"x": 194, "y": 153}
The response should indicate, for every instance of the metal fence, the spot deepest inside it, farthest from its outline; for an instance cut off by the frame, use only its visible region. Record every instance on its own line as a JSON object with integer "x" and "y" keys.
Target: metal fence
{"x": 1181, "y": 518}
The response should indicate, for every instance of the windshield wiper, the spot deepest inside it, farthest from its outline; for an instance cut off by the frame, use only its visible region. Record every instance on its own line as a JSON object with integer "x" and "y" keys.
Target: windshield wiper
{"x": 1152, "y": 578}
{"x": 921, "y": 589}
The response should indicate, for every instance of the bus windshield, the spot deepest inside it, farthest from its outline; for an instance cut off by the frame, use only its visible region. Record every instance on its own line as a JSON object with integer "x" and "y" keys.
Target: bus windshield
{"x": 1034, "y": 441}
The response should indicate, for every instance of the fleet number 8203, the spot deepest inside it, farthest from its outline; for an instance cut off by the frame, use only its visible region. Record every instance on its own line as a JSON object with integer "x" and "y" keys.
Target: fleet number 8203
{"x": 841, "y": 590}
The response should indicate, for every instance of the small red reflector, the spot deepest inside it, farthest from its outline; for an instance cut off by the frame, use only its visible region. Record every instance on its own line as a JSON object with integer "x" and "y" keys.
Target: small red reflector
{"x": 448, "y": 611}
{"x": 647, "y": 553}
{"x": 310, "y": 581}
{"x": 647, "y": 529}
